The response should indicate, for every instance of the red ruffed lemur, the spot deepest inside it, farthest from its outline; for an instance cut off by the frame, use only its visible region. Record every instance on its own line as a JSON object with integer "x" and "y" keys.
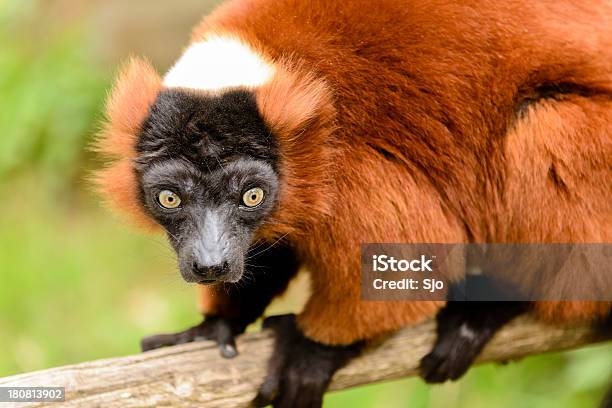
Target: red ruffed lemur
{"x": 291, "y": 131}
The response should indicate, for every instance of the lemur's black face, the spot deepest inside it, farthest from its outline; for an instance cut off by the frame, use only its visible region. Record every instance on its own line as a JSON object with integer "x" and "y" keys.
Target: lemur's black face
{"x": 208, "y": 173}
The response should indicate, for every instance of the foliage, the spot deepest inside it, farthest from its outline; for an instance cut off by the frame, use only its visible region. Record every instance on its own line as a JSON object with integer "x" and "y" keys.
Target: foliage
{"x": 50, "y": 95}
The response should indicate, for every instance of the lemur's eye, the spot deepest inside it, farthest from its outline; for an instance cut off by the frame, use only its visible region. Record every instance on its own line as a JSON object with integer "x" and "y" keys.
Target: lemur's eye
{"x": 168, "y": 199}
{"x": 253, "y": 197}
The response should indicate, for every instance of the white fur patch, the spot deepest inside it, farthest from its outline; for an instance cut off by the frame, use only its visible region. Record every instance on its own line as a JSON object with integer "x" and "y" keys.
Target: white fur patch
{"x": 465, "y": 331}
{"x": 218, "y": 63}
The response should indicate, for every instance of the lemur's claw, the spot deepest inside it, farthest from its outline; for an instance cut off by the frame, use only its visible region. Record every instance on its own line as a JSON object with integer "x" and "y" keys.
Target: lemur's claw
{"x": 215, "y": 328}
{"x": 300, "y": 369}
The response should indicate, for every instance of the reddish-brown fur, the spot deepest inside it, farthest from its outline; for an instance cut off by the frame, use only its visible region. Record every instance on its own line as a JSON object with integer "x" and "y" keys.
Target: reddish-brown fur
{"x": 127, "y": 107}
{"x": 397, "y": 123}
{"x": 299, "y": 108}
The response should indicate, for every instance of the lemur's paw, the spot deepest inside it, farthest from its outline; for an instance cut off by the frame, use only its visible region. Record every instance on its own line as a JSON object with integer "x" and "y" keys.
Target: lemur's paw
{"x": 215, "y": 328}
{"x": 453, "y": 354}
{"x": 300, "y": 369}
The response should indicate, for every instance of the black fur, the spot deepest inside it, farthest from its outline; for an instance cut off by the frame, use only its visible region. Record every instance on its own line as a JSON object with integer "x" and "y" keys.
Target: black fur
{"x": 477, "y": 308}
{"x": 269, "y": 270}
{"x": 208, "y": 131}
{"x": 463, "y": 329}
{"x": 300, "y": 369}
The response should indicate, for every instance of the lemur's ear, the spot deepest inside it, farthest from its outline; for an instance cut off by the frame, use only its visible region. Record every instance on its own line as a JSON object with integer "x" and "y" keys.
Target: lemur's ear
{"x": 293, "y": 100}
{"x": 127, "y": 107}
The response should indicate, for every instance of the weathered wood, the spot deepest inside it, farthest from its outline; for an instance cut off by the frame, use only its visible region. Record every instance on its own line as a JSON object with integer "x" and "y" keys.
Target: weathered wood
{"x": 194, "y": 375}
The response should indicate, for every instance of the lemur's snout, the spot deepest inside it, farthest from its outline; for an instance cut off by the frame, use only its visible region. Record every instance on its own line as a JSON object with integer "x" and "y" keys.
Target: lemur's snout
{"x": 209, "y": 262}
{"x": 209, "y": 274}
{"x": 206, "y": 266}
{"x": 212, "y": 251}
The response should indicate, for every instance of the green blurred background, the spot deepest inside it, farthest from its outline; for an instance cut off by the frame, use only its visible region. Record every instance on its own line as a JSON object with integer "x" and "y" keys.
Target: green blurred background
{"x": 77, "y": 284}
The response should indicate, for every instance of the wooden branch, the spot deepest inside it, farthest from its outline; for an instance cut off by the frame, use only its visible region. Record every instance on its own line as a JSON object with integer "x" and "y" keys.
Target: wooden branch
{"x": 194, "y": 374}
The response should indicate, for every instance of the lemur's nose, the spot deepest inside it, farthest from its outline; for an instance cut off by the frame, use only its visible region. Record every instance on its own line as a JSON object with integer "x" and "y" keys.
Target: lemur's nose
{"x": 211, "y": 273}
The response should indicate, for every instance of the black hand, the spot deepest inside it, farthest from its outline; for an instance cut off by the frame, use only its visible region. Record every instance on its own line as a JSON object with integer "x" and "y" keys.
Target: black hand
{"x": 464, "y": 328}
{"x": 300, "y": 369}
{"x": 272, "y": 268}
{"x": 215, "y": 328}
